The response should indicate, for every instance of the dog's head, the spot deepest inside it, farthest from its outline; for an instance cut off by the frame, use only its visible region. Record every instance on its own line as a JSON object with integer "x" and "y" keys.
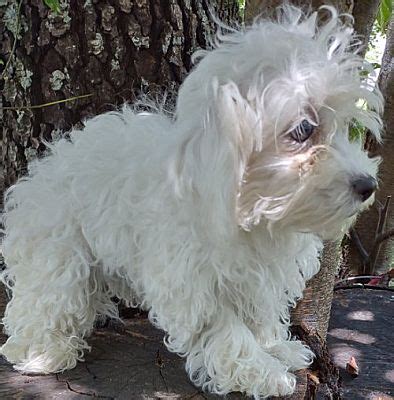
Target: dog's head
{"x": 267, "y": 115}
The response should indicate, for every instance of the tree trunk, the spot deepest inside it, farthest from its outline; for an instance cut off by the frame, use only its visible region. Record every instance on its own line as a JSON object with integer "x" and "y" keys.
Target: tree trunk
{"x": 366, "y": 226}
{"x": 364, "y": 13}
{"x": 267, "y": 7}
{"x": 105, "y": 49}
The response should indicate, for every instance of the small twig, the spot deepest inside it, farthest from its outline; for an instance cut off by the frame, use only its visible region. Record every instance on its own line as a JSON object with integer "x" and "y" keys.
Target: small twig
{"x": 373, "y": 256}
{"x": 362, "y": 286}
{"x": 369, "y": 259}
{"x": 17, "y": 28}
{"x": 357, "y": 242}
{"x": 355, "y": 278}
{"x": 383, "y": 216}
{"x": 379, "y": 204}
{"x": 384, "y": 236}
{"x": 52, "y": 103}
{"x": 371, "y": 262}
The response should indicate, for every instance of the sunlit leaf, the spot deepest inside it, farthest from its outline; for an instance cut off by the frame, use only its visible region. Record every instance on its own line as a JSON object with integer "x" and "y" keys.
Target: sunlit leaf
{"x": 357, "y": 131}
{"x": 364, "y": 73}
{"x": 384, "y": 14}
{"x": 53, "y": 5}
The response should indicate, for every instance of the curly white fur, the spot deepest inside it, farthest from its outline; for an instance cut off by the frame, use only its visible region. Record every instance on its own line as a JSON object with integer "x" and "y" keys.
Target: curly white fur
{"x": 211, "y": 218}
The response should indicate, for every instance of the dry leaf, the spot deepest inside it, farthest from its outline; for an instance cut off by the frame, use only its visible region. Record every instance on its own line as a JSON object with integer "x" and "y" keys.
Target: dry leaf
{"x": 352, "y": 367}
{"x": 375, "y": 281}
{"x": 313, "y": 378}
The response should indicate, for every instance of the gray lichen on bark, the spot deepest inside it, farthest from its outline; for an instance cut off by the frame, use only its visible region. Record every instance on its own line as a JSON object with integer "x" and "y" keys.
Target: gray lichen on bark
{"x": 105, "y": 48}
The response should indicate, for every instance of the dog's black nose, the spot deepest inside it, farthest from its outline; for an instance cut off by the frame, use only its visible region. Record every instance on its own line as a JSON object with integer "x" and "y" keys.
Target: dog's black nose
{"x": 364, "y": 186}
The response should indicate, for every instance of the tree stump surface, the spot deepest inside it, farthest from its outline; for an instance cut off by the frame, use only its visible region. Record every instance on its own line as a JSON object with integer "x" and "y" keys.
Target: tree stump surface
{"x": 130, "y": 361}
{"x": 362, "y": 326}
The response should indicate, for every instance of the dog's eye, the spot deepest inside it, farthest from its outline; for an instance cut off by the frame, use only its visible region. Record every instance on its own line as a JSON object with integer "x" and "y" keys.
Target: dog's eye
{"x": 303, "y": 131}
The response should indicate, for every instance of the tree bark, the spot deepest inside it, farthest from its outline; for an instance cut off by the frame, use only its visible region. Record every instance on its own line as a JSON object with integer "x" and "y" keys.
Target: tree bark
{"x": 106, "y": 49}
{"x": 267, "y": 7}
{"x": 364, "y": 13}
{"x": 366, "y": 225}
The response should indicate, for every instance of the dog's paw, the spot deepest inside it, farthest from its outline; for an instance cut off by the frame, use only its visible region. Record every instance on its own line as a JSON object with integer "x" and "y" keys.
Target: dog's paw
{"x": 29, "y": 361}
{"x": 55, "y": 354}
{"x": 293, "y": 354}
{"x": 262, "y": 382}
{"x": 13, "y": 351}
{"x": 282, "y": 384}
{"x": 260, "y": 378}
{"x": 273, "y": 383}
{"x": 259, "y": 384}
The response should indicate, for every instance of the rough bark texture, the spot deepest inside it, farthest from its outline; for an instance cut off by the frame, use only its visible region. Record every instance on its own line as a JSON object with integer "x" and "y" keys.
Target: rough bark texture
{"x": 312, "y": 314}
{"x": 106, "y": 48}
{"x": 367, "y": 224}
{"x": 314, "y": 309}
{"x": 364, "y": 13}
{"x": 267, "y": 7}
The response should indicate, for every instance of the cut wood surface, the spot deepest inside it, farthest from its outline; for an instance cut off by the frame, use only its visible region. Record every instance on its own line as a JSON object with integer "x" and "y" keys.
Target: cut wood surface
{"x": 362, "y": 326}
{"x": 130, "y": 361}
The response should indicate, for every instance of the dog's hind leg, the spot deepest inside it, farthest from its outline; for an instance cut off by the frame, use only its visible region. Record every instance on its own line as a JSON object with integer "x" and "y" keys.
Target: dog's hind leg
{"x": 55, "y": 299}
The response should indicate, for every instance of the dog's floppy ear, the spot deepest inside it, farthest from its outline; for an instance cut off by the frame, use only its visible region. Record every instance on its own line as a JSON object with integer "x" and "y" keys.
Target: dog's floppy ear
{"x": 212, "y": 159}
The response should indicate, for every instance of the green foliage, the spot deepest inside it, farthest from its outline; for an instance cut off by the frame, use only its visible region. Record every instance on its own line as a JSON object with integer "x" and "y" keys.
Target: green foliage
{"x": 241, "y": 4}
{"x": 376, "y": 45}
{"x": 384, "y": 14}
{"x": 357, "y": 131}
{"x": 53, "y": 5}
{"x": 376, "y": 65}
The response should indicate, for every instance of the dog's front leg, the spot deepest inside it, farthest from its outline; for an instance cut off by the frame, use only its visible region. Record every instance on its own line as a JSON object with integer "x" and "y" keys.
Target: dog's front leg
{"x": 274, "y": 337}
{"x": 226, "y": 357}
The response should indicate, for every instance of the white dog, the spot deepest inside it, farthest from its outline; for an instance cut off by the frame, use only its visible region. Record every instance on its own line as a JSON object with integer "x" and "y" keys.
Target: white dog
{"x": 211, "y": 218}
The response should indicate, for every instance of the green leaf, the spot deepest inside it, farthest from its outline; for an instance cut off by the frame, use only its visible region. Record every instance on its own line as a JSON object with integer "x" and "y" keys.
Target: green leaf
{"x": 364, "y": 73}
{"x": 384, "y": 14}
{"x": 356, "y": 131}
{"x": 53, "y": 5}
